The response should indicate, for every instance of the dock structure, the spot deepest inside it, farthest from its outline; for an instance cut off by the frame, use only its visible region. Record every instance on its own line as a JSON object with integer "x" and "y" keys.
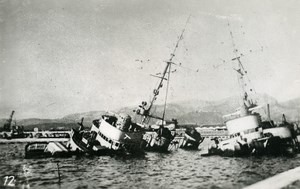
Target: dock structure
{"x": 278, "y": 181}
{"x": 26, "y": 140}
{"x": 213, "y": 131}
{"x": 37, "y": 136}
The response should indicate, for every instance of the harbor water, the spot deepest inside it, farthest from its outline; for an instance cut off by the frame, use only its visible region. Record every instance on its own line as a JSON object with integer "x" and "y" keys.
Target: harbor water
{"x": 178, "y": 169}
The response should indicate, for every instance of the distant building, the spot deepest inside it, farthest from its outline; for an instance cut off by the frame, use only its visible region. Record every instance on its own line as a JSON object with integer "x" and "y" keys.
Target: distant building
{"x": 209, "y": 131}
{"x": 212, "y": 131}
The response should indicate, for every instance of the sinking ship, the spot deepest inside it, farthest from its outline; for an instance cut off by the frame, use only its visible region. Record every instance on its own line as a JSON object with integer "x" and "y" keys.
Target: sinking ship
{"x": 191, "y": 139}
{"x": 248, "y": 134}
{"x": 118, "y": 132}
{"x": 159, "y": 137}
{"x": 112, "y": 133}
{"x": 243, "y": 128}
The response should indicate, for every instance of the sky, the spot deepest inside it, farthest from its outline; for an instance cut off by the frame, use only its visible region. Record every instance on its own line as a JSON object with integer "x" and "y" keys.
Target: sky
{"x": 67, "y": 56}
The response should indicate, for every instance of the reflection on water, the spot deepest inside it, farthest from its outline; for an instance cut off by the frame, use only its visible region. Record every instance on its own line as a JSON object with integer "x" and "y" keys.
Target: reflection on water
{"x": 179, "y": 169}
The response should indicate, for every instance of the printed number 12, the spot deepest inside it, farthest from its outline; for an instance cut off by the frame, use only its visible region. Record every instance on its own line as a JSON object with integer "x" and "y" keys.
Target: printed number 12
{"x": 11, "y": 182}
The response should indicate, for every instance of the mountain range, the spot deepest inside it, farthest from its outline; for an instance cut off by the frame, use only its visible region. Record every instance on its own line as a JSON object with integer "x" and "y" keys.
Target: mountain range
{"x": 194, "y": 112}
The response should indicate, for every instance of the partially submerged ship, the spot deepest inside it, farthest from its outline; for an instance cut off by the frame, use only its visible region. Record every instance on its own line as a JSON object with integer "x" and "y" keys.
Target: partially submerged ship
{"x": 248, "y": 133}
{"x": 115, "y": 133}
{"x": 278, "y": 139}
{"x": 243, "y": 127}
{"x": 188, "y": 137}
{"x": 46, "y": 150}
{"x": 191, "y": 139}
{"x": 159, "y": 139}
{"x": 119, "y": 133}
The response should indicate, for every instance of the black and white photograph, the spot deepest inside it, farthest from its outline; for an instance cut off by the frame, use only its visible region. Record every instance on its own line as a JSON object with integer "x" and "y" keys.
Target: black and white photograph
{"x": 149, "y": 94}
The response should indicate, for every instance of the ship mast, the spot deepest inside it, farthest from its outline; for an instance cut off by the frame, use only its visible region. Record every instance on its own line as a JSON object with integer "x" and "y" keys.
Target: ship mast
{"x": 143, "y": 110}
{"x": 241, "y": 72}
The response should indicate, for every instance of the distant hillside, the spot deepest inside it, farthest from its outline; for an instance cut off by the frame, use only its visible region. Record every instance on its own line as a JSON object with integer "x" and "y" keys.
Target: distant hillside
{"x": 52, "y": 126}
{"x": 183, "y": 113}
{"x": 195, "y": 104}
{"x": 46, "y": 124}
{"x": 88, "y": 117}
{"x": 36, "y": 121}
{"x": 201, "y": 118}
{"x": 186, "y": 112}
{"x": 295, "y": 103}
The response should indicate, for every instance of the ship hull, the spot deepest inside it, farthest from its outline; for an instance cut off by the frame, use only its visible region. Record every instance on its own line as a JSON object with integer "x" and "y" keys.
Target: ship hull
{"x": 192, "y": 140}
{"x": 85, "y": 143}
{"x": 46, "y": 150}
{"x": 277, "y": 141}
{"x": 156, "y": 143}
{"x": 242, "y": 131}
{"x": 115, "y": 139}
{"x": 248, "y": 138}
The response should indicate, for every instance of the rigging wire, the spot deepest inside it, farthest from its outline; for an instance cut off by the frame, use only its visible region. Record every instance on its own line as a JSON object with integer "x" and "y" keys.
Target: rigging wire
{"x": 236, "y": 57}
{"x": 168, "y": 66}
{"x": 242, "y": 72}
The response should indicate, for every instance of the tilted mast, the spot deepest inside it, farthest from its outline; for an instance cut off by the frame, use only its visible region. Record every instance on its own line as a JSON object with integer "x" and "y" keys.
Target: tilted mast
{"x": 241, "y": 72}
{"x": 145, "y": 111}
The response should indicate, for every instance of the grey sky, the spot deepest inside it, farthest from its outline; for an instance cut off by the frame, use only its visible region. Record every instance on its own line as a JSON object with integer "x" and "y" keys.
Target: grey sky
{"x": 60, "y": 57}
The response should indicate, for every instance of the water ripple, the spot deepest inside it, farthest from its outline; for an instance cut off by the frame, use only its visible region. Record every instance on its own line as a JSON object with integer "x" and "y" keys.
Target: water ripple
{"x": 179, "y": 169}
